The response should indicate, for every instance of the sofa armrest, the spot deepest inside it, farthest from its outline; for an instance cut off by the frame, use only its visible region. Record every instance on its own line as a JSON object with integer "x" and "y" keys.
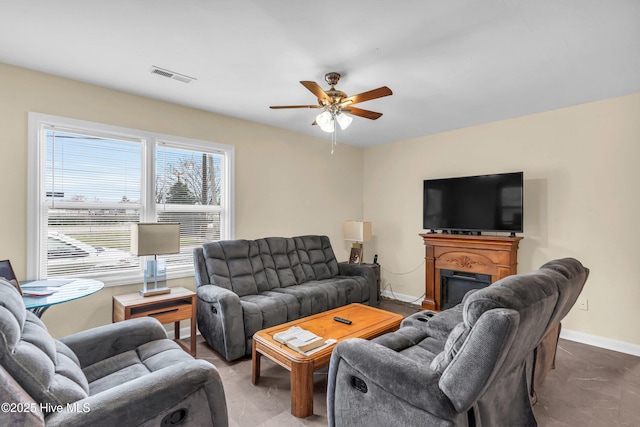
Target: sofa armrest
{"x": 345, "y": 269}
{"x": 102, "y": 342}
{"x": 386, "y": 375}
{"x": 221, "y": 321}
{"x": 213, "y": 293}
{"x": 200, "y": 267}
{"x": 194, "y": 385}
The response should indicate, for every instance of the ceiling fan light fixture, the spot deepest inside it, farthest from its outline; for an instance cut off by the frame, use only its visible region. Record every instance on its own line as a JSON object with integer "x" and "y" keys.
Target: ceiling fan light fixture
{"x": 343, "y": 120}
{"x": 326, "y": 121}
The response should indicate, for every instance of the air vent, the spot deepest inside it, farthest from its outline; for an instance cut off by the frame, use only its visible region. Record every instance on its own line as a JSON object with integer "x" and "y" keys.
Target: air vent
{"x": 171, "y": 75}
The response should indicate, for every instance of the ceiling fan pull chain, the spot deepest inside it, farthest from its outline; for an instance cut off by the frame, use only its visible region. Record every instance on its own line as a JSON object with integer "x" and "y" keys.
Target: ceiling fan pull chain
{"x": 333, "y": 136}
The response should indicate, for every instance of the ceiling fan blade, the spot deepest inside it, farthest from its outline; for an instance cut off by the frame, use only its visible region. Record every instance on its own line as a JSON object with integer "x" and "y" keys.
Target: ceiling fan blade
{"x": 362, "y": 113}
{"x": 275, "y": 107}
{"x": 315, "y": 88}
{"x": 367, "y": 96}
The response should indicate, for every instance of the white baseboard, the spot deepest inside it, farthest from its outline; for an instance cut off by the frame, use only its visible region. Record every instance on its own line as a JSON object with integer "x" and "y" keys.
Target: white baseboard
{"x": 606, "y": 343}
{"x": 402, "y": 297}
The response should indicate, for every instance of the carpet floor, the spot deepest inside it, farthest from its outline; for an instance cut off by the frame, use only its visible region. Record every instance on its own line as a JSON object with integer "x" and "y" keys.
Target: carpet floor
{"x": 590, "y": 387}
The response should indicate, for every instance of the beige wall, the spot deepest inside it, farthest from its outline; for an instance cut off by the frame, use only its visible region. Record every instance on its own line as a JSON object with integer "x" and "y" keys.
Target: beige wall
{"x": 581, "y": 200}
{"x": 286, "y": 183}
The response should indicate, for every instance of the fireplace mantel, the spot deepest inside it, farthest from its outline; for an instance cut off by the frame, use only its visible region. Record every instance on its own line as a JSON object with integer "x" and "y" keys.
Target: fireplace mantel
{"x": 493, "y": 255}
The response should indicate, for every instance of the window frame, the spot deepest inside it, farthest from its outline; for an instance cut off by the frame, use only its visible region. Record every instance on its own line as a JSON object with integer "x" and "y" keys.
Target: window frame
{"x": 39, "y": 123}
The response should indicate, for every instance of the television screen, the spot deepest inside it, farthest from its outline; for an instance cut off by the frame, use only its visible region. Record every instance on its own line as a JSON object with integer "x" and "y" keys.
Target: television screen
{"x": 474, "y": 203}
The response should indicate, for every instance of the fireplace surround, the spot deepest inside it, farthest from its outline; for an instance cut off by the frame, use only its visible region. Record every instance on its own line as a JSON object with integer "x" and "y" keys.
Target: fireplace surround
{"x": 493, "y": 256}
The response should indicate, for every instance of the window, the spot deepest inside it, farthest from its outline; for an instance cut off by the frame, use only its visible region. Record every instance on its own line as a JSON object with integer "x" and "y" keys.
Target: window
{"x": 88, "y": 182}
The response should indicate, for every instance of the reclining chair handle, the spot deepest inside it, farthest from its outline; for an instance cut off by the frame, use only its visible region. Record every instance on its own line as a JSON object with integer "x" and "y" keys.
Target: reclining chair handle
{"x": 175, "y": 417}
{"x": 359, "y": 384}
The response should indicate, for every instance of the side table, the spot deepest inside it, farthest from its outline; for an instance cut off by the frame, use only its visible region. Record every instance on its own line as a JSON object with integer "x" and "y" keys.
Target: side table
{"x": 173, "y": 307}
{"x": 39, "y": 295}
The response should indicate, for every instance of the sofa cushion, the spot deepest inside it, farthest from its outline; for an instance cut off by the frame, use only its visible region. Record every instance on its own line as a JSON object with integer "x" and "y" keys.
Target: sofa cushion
{"x": 262, "y": 311}
{"x": 355, "y": 288}
{"x": 236, "y": 265}
{"x": 317, "y": 257}
{"x": 47, "y": 369}
{"x": 346, "y": 290}
{"x": 452, "y": 346}
{"x": 401, "y": 339}
{"x": 290, "y": 302}
{"x": 128, "y": 366}
{"x": 520, "y": 293}
{"x": 313, "y": 297}
{"x": 281, "y": 262}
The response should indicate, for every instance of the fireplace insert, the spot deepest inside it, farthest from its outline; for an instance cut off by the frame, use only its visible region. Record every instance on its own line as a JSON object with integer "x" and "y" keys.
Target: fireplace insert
{"x": 454, "y": 284}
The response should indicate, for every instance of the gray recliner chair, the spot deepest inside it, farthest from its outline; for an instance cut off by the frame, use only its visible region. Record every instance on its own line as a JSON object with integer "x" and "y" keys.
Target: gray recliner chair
{"x": 466, "y": 366}
{"x": 123, "y": 374}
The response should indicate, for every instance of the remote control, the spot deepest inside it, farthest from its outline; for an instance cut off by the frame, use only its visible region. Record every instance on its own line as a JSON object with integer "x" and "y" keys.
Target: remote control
{"x": 341, "y": 320}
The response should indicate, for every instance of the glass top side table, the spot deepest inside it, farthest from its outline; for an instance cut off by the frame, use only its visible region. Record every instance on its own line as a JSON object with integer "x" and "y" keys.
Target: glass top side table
{"x": 39, "y": 295}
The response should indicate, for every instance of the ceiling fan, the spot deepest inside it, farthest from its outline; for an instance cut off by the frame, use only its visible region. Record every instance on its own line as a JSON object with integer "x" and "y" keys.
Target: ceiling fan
{"x": 335, "y": 103}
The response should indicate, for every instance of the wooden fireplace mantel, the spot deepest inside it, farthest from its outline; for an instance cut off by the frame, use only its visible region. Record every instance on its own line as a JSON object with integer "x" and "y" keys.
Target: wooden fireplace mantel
{"x": 493, "y": 255}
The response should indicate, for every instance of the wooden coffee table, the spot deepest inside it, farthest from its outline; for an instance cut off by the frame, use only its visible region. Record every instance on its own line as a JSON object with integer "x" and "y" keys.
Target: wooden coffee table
{"x": 367, "y": 322}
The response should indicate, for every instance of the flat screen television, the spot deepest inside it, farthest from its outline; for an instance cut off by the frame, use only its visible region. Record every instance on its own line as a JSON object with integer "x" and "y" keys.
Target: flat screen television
{"x": 473, "y": 204}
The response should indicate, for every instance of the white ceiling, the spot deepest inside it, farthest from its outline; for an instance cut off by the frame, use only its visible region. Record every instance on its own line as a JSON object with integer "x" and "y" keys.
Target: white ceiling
{"x": 450, "y": 63}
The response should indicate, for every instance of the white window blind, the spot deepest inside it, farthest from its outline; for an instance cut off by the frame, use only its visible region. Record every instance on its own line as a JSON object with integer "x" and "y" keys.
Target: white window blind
{"x": 92, "y": 192}
{"x": 89, "y": 182}
{"x": 188, "y": 191}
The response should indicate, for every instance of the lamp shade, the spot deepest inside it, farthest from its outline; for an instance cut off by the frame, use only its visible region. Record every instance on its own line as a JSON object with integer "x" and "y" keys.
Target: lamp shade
{"x": 326, "y": 121}
{"x": 358, "y": 231}
{"x": 343, "y": 120}
{"x": 155, "y": 238}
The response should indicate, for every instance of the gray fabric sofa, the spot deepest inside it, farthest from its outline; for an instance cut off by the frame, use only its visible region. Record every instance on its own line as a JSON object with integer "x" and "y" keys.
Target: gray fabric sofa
{"x": 466, "y": 366}
{"x": 123, "y": 374}
{"x": 244, "y": 286}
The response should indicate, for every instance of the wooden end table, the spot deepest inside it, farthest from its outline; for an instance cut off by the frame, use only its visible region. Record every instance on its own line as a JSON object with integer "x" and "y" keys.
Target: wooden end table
{"x": 173, "y": 307}
{"x": 367, "y": 322}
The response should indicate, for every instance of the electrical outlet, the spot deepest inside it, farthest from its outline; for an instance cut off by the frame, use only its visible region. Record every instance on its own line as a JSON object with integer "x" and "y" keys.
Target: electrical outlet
{"x": 583, "y": 304}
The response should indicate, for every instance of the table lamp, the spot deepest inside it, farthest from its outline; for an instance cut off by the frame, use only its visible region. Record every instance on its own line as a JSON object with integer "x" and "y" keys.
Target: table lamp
{"x": 155, "y": 239}
{"x": 357, "y": 232}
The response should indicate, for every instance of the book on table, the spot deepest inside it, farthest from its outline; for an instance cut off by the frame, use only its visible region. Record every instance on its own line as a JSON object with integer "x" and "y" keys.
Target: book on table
{"x": 299, "y": 339}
